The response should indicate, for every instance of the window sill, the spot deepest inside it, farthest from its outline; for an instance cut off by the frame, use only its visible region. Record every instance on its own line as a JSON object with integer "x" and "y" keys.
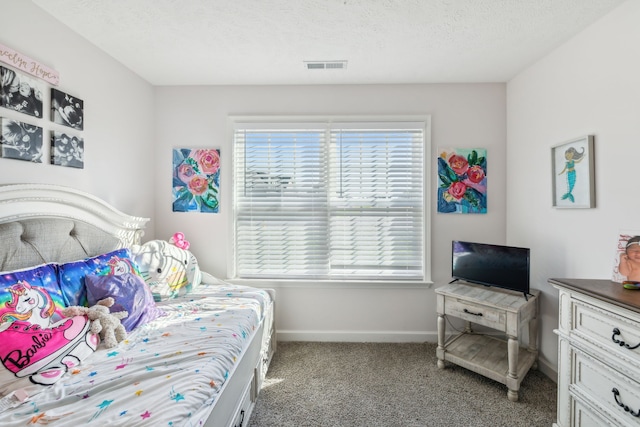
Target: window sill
{"x": 331, "y": 284}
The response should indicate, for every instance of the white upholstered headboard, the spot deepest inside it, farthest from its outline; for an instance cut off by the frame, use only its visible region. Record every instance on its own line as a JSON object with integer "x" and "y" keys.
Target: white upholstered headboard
{"x": 42, "y": 223}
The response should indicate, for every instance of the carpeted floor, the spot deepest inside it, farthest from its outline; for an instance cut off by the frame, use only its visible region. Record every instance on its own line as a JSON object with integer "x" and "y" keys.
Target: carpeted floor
{"x": 388, "y": 384}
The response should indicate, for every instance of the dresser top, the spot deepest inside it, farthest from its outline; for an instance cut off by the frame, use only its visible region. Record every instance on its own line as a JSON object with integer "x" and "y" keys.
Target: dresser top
{"x": 605, "y": 290}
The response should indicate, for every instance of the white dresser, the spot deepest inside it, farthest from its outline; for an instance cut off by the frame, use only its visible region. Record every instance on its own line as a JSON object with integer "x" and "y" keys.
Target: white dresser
{"x": 598, "y": 353}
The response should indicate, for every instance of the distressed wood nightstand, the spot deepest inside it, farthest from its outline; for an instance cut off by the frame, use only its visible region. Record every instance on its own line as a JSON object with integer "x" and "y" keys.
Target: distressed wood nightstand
{"x": 495, "y": 357}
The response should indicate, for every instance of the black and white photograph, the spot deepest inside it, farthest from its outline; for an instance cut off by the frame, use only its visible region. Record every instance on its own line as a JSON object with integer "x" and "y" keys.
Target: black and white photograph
{"x": 21, "y": 141}
{"x": 67, "y": 150}
{"x": 20, "y": 92}
{"x": 67, "y": 110}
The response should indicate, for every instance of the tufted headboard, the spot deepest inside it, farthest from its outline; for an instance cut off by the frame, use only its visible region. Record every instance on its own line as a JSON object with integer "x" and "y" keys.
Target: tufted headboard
{"x": 41, "y": 223}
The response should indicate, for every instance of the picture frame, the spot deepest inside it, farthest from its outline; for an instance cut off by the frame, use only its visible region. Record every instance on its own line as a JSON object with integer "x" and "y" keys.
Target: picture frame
{"x": 625, "y": 257}
{"x": 20, "y": 140}
{"x": 196, "y": 180}
{"x": 67, "y": 110}
{"x": 573, "y": 173}
{"x": 20, "y": 92}
{"x": 462, "y": 180}
{"x": 67, "y": 150}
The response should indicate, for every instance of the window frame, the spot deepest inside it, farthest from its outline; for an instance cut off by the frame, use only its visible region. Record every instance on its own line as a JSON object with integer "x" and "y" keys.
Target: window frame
{"x": 329, "y": 120}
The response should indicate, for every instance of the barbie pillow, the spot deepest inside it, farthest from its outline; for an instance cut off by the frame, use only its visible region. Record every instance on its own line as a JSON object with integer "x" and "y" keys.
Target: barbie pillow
{"x": 33, "y": 356}
{"x": 71, "y": 275}
{"x": 130, "y": 293}
{"x": 31, "y": 295}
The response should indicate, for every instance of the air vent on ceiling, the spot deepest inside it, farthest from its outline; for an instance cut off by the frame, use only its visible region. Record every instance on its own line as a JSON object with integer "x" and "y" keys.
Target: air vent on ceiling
{"x": 325, "y": 65}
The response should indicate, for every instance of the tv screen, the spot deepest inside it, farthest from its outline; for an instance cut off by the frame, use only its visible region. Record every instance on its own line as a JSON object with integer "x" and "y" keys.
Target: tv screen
{"x": 492, "y": 265}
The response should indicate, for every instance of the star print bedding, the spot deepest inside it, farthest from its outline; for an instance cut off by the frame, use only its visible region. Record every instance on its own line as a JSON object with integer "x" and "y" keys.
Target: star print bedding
{"x": 168, "y": 372}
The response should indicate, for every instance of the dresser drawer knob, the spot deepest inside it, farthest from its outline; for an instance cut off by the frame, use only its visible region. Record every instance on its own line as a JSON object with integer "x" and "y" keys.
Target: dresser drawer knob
{"x": 471, "y": 312}
{"x": 616, "y": 395}
{"x": 621, "y": 343}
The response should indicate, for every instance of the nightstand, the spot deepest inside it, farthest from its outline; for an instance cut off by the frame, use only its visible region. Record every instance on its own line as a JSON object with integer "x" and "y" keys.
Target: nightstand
{"x": 500, "y": 359}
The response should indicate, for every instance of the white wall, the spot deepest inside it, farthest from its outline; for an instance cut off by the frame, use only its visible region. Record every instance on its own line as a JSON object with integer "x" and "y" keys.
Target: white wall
{"x": 463, "y": 115}
{"x": 118, "y": 113}
{"x": 590, "y": 85}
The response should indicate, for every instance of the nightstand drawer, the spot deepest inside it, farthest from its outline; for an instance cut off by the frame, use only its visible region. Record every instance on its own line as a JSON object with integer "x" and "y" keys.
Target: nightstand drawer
{"x": 478, "y": 314}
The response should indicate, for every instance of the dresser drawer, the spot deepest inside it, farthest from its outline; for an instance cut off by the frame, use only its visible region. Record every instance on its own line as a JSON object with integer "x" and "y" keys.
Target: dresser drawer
{"x": 605, "y": 388}
{"x": 479, "y": 314}
{"x": 614, "y": 333}
{"x": 584, "y": 416}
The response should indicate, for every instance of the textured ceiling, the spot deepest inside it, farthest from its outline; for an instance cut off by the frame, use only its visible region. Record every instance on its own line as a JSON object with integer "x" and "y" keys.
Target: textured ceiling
{"x": 221, "y": 42}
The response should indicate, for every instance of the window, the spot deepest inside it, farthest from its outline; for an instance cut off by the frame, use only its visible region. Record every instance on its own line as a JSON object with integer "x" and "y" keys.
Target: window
{"x": 330, "y": 200}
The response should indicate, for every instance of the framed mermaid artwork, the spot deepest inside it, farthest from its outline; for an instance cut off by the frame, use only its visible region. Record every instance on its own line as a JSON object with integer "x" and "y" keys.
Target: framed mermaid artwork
{"x": 572, "y": 164}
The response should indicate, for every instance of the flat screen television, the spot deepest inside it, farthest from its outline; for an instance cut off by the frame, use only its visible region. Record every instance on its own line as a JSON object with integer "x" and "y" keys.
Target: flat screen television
{"x": 505, "y": 267}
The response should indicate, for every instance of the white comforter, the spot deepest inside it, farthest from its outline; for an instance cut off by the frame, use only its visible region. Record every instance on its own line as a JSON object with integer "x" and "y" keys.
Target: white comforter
{"x": 167, "y": 373}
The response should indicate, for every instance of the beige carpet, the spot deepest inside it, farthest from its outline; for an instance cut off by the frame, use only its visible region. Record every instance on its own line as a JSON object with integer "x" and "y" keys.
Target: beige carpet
{"x": 373, "y": 384}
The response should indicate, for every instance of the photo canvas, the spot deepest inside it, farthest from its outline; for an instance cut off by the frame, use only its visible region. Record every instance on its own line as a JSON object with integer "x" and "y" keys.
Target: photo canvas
{"x": 196, "y": 180}
{"x": 21, "y": 141}
{"x": 626, "y": 262}
{"x": 20, "y": 92}
{"x": 67, "y": 110}
{"x": 67, "y": 150}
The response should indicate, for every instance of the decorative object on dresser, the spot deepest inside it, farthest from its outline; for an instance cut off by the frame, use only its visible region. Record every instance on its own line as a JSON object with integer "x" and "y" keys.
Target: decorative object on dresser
{"x": 489, "y": 355}
{"x": 598, "y": 353}
{"x": 626, "y": 260}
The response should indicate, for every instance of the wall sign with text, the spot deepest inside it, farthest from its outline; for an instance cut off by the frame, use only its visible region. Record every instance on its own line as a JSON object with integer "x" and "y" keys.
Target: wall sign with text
{"x": 28, "y": 65}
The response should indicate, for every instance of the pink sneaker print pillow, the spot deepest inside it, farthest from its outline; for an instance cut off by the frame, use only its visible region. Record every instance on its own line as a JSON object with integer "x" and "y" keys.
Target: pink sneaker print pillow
{"x": 32, "y": 355}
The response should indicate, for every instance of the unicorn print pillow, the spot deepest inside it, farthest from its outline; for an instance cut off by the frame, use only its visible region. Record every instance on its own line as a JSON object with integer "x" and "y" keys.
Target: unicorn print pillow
{"x": 71, "y": 274}
{"x": 31, "y": 295}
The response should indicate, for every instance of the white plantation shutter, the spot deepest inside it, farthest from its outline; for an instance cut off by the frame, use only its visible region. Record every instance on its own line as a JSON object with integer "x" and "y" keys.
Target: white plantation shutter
{"x": 329, "y": 200}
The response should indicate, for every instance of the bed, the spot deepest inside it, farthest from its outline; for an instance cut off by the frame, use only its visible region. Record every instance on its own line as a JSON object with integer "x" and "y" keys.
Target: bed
{"x": 200, "y": 362}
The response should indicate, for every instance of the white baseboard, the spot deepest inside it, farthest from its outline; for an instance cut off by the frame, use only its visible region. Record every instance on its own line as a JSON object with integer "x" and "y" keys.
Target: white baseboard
{"x": 357, "y": 336}
{"x": 549, "y": 370}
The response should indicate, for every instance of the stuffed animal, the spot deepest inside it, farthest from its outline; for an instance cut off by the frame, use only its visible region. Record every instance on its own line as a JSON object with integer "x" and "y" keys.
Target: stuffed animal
{"x": 103, "y": 322}
{"x": 169, "y": 271}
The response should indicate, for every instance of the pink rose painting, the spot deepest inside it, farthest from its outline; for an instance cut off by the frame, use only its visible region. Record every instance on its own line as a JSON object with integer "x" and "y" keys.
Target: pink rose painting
{"x": 196, "y": 180}
{"x": 462, "y": 180}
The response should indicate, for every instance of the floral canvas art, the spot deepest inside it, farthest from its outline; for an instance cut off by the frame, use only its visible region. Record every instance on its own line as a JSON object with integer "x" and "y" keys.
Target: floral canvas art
{"x": 196, "y": 180}
{"x": 462, "y": 180}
